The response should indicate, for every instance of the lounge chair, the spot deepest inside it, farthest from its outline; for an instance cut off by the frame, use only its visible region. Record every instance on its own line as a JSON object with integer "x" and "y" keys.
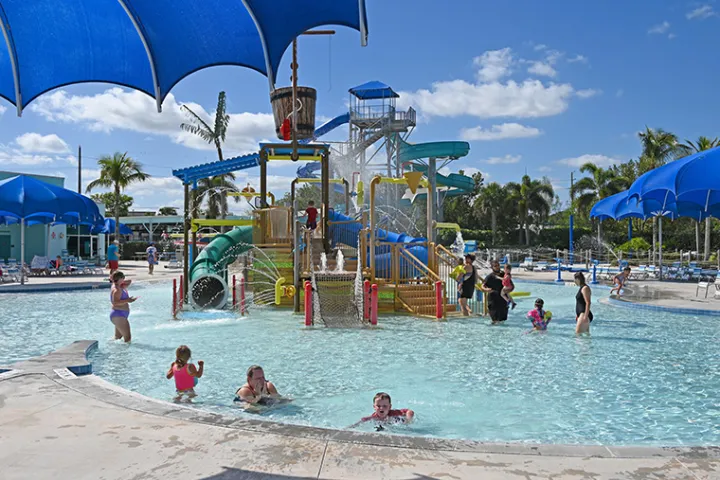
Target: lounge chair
{"x": 706, "y": 283}
{"x": 528, "y": 264}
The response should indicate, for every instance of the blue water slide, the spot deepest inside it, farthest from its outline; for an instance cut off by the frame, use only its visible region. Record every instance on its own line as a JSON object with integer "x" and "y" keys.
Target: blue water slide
{"x": 348, "y": 233}
{"x": 309, "y": 169}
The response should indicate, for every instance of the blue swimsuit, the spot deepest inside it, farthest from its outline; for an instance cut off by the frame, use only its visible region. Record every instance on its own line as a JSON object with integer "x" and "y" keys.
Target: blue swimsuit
{"x": 120, "y": 313}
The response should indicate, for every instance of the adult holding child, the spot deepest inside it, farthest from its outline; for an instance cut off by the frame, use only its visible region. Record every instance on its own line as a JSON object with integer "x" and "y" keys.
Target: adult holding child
{"x": 493, "y": 287}
{"x": 466, "y": 283}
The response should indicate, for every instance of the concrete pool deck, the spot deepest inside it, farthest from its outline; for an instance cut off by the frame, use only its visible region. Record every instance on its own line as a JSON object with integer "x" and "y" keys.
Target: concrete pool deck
{"x": 54, "y": 424}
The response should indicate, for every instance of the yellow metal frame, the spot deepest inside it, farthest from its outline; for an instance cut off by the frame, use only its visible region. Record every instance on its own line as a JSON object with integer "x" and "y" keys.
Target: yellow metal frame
{"x": 252, "y": 195}
{"x": 197, "y": 223}
{"x": 319, "y": 180}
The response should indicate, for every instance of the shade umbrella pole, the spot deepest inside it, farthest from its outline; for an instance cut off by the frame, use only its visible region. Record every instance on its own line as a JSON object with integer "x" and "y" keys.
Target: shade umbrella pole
{"x": 22, "y": 251}
{"x": 660, "y": 244}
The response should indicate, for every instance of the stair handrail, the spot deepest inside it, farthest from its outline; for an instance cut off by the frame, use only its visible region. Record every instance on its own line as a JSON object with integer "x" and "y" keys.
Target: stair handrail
{"x": 416, "y": 263}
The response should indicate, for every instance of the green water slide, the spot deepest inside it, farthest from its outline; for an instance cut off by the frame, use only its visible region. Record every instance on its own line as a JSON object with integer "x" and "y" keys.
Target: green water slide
{"x": 208, "y": 273}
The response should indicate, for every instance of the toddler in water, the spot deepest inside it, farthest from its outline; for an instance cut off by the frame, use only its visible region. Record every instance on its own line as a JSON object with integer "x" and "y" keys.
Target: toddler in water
{"x": 539, "y": 317}
{"x": 385, "y": 414}
{"x": 508, "y": 286}
{"x": 185, "y": 373}
{"x": 458, "y": 274}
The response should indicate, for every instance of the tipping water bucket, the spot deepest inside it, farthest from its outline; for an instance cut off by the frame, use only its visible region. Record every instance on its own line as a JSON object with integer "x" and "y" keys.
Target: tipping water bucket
{"x": 281, "y": 100}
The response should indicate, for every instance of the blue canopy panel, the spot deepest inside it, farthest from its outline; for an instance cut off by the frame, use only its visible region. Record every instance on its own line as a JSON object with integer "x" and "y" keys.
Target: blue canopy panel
{"x": 659, "y": 184}
{"x": 192, "y": 174}
{"x": 373, "y": 90}
{"x": 150, "y": 45}
{"x": 108, "y": 226}
{"x": 698, "y": 181}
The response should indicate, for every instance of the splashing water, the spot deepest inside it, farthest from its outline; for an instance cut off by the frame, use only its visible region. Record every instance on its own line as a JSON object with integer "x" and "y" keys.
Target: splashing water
{"x": 340, "y": 267}
{"x": 323, "y": 262}
{"x": 458, "y": 246}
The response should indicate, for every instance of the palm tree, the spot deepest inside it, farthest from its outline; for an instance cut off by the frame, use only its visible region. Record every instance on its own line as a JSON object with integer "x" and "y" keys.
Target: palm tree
{"x": 532, "y": 197}
{"x": 214, "y": 190}
{"x": 214, "y": 135}
{"x": 702, "y": 143}
{"x": 491, "y": 200}
{"x": 118, "y": 172}
{"x": 600, "y": 184}
{"x": 658, "y": 148}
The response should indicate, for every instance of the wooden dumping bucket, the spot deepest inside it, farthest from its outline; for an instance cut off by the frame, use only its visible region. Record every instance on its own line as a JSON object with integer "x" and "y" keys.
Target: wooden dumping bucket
{"x": 281, "y": 99}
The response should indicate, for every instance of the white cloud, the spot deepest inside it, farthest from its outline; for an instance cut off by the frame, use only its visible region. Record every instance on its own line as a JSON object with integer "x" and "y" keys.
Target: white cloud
{"x": 494, "y": 64}
{"x": 36, "y": 143}
{"x": 701, "y": 13}
{"x": 499, "y": 132}
{"x": 540, "y": 47}
{"x": 117, "y": 108}
{"x": 587, "y": 93}
{"x": 659, "y": 29}
{"x": 543, "y": 69}
{"x": 671, "y": 36}
{"x": 17, "y": 157}
{"x": 578, "y": 59}
{"x": 529, "y": 99}
{"x": 599, "y": 160}
{"x": 506, "y": 160}
{"x": 470, "y": 171}
{"x": 2, "y": 109}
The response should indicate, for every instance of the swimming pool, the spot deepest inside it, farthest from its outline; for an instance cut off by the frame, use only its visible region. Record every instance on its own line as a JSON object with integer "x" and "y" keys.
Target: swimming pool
{"x": 643, "y": 378}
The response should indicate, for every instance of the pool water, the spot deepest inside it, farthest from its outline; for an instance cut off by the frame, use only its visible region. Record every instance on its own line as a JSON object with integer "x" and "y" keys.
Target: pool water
{"x": 642, "y": 378}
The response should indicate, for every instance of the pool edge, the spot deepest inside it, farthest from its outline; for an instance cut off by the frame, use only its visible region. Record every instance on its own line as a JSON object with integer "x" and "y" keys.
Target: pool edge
{"x": 74, "y": 358}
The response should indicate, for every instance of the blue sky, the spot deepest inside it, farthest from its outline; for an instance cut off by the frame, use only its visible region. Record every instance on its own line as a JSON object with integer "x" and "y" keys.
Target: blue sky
{"x": 536, "y": 86}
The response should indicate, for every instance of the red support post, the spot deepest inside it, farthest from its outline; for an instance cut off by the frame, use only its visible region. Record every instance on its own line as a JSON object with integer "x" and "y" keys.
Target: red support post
{"x": 366, "y": 302}
{"x": 174, "y": 299}
{"x": 242, "y": 295}
{"x": 374, "y": 304}
{"x": 234, "y": 295}
{"x": 438, "y": 300}
{"x": 308, "y": 304}
{"x": 181, "y": 300}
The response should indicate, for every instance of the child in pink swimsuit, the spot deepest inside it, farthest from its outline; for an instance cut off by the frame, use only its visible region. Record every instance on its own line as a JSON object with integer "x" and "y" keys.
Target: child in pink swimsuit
{"x": 508, "y": 286}
{"x": 185, "y": 374}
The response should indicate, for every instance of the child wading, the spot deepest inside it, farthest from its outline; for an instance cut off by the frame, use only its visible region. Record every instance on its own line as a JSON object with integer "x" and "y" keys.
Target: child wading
{"x": 185, "y": 374}
{"x": 384, "y": 413}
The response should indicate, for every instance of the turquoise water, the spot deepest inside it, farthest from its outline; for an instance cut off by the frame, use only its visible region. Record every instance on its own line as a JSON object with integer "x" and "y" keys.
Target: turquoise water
{"x": 642, "y": 378}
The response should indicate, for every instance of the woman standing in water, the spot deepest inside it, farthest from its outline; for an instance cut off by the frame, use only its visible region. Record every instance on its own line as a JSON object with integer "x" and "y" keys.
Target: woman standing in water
{"x": 582, "y": 305}
{"x": 120, "y": 300}
{"x": 467, "y": 284}
{"x": 492, "y": 286}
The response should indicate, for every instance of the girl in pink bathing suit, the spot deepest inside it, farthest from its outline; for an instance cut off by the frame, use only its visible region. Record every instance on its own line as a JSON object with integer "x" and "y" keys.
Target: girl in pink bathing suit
{"x": 185, "y": 374}
{"x": 508, "y": 286}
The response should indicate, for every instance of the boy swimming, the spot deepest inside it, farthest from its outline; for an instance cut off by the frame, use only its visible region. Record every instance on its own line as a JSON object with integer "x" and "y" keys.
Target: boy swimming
{"x": 384, "y": 413}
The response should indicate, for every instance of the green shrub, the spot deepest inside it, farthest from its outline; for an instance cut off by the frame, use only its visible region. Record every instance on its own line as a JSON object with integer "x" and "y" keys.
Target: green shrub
{"x": 636, "y": 244}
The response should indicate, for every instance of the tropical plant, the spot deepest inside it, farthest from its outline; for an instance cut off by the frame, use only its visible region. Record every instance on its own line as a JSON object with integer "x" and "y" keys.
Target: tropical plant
{"x": 635, "y": 245}
{"x": 658, "y": 148}
{"x": 109, "y": 198}
{"x": 118, "y": 172}
{"x": 215, "y": 135}
{"x": 600, "y": 184}
{"x": 533, "y": 198}
{"x": 169, "y": 211}
{"x": 491, "y": 200}
{"x": 214, "y": 191}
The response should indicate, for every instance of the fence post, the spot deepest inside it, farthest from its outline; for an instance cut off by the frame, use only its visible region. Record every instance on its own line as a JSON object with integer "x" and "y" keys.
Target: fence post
{"x": 308, "y": 304}
{"x": 234, "y": 294}
{"x": 183, "y": 293}
{"x": 243, "y": 310}
{"x": 374, "y": 304}
{"x": 174, "y": 299}
{"x": 594, "y": 274}
{"x": 438, "y": 300}
{"x": 559, "y": 267}
{"x": 366, "y": 300}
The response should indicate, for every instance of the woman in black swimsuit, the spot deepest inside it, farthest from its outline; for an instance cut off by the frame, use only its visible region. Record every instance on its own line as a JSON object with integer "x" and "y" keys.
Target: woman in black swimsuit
{"x": 467, "y": 287}
{"x": 582, "y": 305}
{"x": 493, "y": 286}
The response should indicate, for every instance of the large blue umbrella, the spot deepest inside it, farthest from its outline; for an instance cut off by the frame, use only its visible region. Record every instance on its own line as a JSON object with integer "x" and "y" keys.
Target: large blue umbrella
{"x": 25, "y": 199}
{"x": 150, "y": 45}
{"x": 108, "y": 226}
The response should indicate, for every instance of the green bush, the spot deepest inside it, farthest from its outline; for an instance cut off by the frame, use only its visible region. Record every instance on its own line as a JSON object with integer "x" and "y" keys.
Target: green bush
{"x": 636, "y": 244}
{"x": 128, "y": 249}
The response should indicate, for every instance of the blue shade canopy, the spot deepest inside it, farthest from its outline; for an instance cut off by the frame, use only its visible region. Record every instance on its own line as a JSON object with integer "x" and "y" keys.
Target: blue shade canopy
{"x": 108, "y": 226}
{"x": 616, "y": 207}
{"x": 620, "y": 207}
{"x": 150, "y": 45}
{"x": 373, "y": 90}
{"x": 24, "y": 197}
{"x": 694, "y": 179}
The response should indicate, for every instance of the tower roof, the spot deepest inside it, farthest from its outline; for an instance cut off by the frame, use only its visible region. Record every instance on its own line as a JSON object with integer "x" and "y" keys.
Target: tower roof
{"x": 373, "y": 90}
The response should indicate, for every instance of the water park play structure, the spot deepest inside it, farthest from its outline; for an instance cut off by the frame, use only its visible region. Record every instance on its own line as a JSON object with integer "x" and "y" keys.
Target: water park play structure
{"x": 353, "y": 253}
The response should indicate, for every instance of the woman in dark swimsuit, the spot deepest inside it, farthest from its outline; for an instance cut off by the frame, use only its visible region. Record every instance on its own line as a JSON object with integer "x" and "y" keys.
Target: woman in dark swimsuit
{"x": 583, "y": 299}
{"x": 493, "y": 286}
{"x": 467, "y": 287}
